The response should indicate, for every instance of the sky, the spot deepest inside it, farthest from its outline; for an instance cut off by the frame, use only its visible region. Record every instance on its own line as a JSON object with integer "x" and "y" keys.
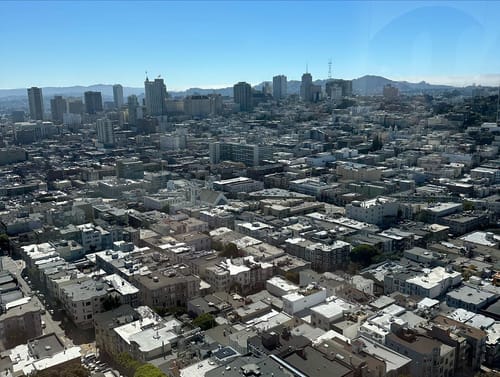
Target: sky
{"x": 216, "y": 44}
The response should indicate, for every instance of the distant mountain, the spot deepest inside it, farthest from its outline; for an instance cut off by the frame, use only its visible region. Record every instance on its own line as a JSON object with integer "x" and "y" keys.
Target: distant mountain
{"x": 366, "y": 85}
{"x": 71, "y": 91}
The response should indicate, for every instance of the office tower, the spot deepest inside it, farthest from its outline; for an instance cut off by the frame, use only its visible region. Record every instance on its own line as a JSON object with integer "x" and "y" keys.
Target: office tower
{"x": 35, "y": 99}
{"x": 93, "y": 102}
{"x": 155, "y": 96}
{"x": 118, "y": 95}
{"x": 242, "y": 93}
{"x": 105, "y": 132}
{"x": 75, "y": 106}
{"x": 306, "y": 87}
{"x": 58, "y": 108}
{"x": 279, "y": 87}
{"x": 133, "y": 105}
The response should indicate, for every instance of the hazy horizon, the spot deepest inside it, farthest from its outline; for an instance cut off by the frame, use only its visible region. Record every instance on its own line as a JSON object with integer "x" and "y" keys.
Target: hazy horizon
{"x": 216, "y": 44}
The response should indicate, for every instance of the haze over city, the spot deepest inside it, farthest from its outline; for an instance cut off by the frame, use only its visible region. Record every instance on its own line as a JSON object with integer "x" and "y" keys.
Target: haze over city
{"x": 214, "y": 44}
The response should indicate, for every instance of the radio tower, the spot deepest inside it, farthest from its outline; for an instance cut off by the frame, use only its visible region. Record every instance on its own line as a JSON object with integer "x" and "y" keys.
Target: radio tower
{"x": 330, "y": 69}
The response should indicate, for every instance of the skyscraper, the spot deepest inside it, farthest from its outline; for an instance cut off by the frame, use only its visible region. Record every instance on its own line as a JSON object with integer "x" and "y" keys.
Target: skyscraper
{"x": 306, "y": 87}
{"x": 58, "y": 106}
{"x": 118, "y": 95}
{"x": 155, "y": 96}
{"x": 279, "y": 87}
{"x": 75, "y": 106}
{"x": 105, "y": 132}
{"x": 242, "y": 93}
{"x": 35, "y": 100}
{"x": 133, "y": 104}
{"x": 93, "y": 102}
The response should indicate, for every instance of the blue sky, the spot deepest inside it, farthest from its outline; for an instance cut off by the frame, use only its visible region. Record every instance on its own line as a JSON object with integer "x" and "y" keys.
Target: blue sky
{"x": 215, "y": 44}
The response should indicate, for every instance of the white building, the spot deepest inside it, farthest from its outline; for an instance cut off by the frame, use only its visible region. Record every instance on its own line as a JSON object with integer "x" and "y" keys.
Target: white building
{"x": 323, "y": 316}
{"x": 303, "y": 299}
{"x": 105, "y": 132}
{"x": 374, "y": 211}
{"x": 433, "y": 282}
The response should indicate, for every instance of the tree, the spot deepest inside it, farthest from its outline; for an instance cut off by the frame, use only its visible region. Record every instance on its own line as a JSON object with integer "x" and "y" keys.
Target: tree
{"x": 111, "y": 302}
{"x": 149, "y": 370}
{"x": 4, "y": 243}
{"x": 364, "y": 255}
{"x": 292, "y": 276}
{"x": 127, "y": 363}
{"x": 204, "y": 321}
{"x": 231, "y": 251}
{"x": 376, "y": 143}
{"x": 467, "y": 205}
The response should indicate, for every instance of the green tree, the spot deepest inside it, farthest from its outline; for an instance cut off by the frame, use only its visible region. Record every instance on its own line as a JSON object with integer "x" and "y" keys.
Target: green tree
{"x": 111, "y": 302}
{"x": 127, "y": 363}
{"x": 293, "y": 276}
{"x": 204, "y": 321}
{"x": 467, "y": 205}
{"x": 364, "y": 255}
{"x": 4, "y": 243}
{"x": 231, "y": 251}
{"x": 376, "y": 143}
{"x": 149, "y": 370}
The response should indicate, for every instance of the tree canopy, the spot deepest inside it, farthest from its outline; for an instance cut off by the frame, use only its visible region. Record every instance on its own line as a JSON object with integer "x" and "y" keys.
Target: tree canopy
{"x": 363, "y": 255}
{"x": 149, "y": 370}
{"x": 204, "y": 321}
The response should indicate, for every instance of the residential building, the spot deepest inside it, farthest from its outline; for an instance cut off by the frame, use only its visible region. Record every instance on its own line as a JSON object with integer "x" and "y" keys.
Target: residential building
{"x": 20, "y": 321}
{"x": 93, "y": 102}
{"x": 35, "y": 99}
{"x": 58, "y": 107}
{"x": 118, "y": 95}
{"x": 155, "y": 97}
{"x": 242, "y": 93}
{"x": 279, "y": 87}
{"x": 105, "y": 132}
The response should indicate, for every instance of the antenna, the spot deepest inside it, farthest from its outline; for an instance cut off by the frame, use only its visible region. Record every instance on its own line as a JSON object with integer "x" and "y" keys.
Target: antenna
{"x": 330, "y": 69}
{"x": 307, "y": 68}
{"x": 146, "y": 75}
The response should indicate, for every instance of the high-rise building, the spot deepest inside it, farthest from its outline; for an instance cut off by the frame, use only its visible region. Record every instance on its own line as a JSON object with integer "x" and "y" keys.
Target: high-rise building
{"x": 279, "y": 87}
{"x": 155, "y": 96}
{"x": 249, "y": 154}
{"x": 58, "y": 106}
{"x": 75, "y": 106}
{"x": 202, "y": 106}
{"x": 242, "y": 92}
{"x": 35, "y": 99}
{"x": 336, "y": 89}
{"x": 308, "y": 91}
{"x": 105, "y": 132}
{"x": 133, "y": 105}
{"x": 93, "y": 102}
{"x": 118, "y": 95}
{"x": 306, "y": 87}
{"x": 390, "y": 92}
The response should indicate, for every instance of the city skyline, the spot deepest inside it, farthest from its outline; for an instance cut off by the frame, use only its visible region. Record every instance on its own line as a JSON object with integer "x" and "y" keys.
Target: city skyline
{"x": 194, "y": 44}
